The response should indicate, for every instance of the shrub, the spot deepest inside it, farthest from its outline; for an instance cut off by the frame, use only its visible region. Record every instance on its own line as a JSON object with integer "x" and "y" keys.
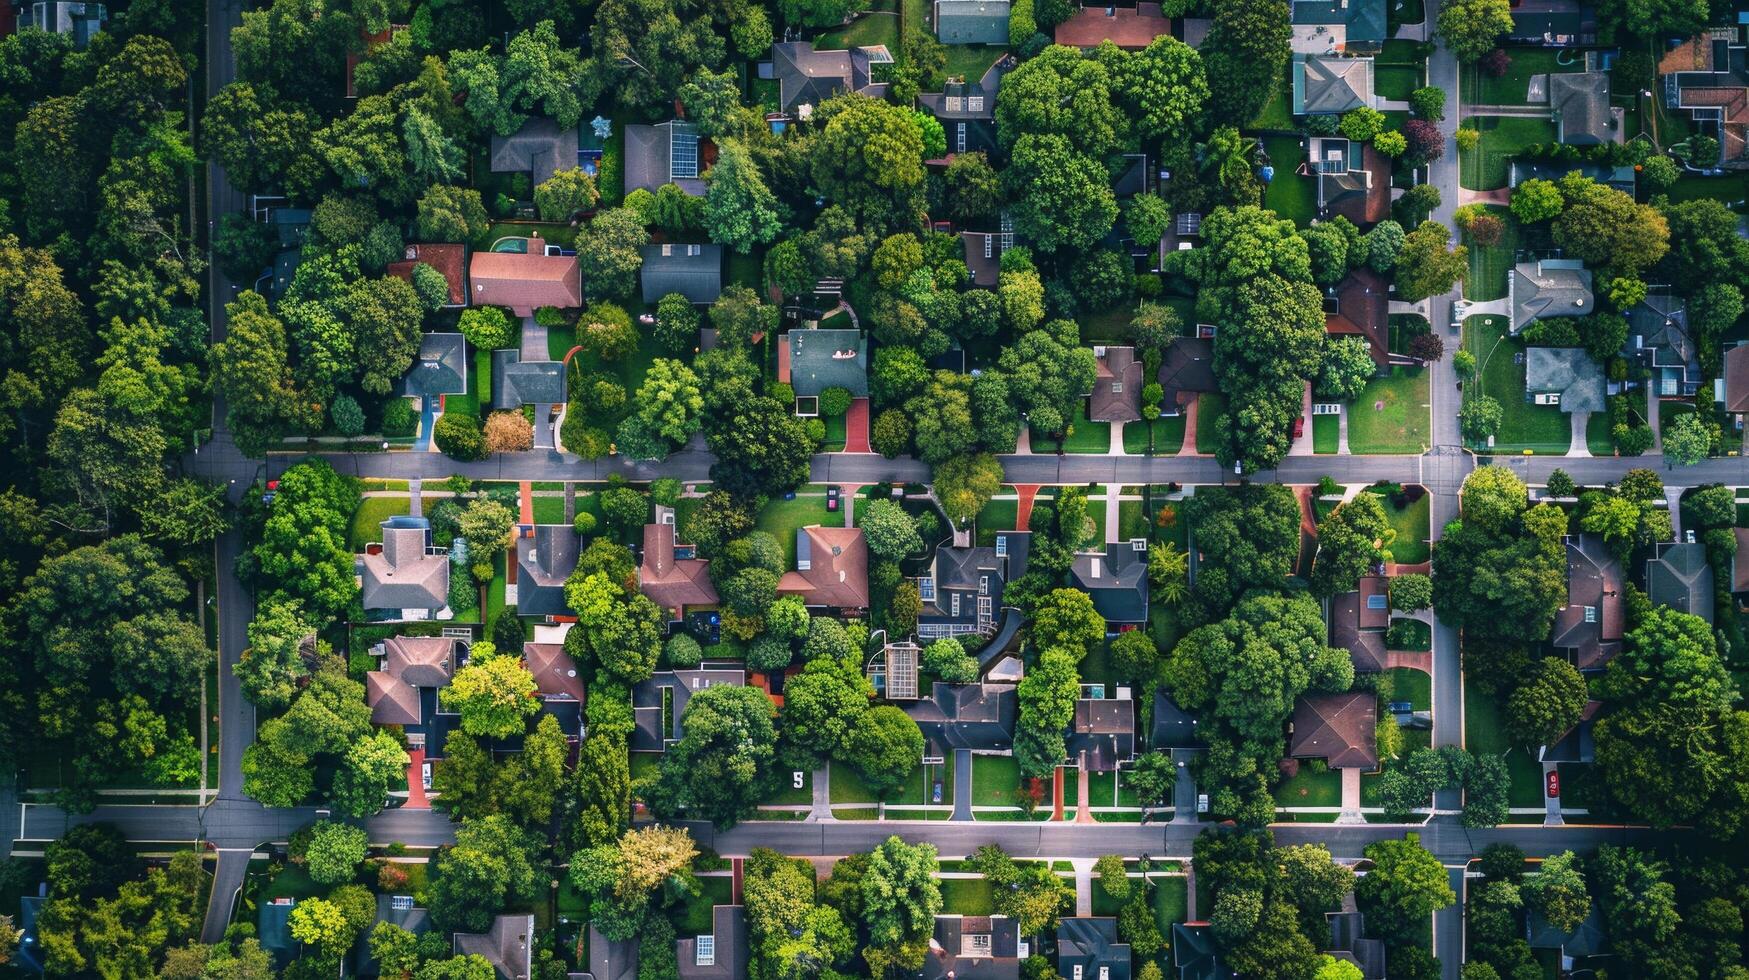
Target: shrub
{"x": 1495, "y": 63}
{"x": 400, "y": 418}
{"x": 891, "y": 434}
{"x": 1428, "y": 103}
{"x": 816, "y": 430}
{"x": 459, "y": 437}
{"x": 584, "y": 523}
{"x": 348, "y": 417}
{"x": 1468, "y": 139}
{"x": 488, "y": 327}
{"x": 683, "y": 651}
{"x": 834, "y": 402}
{"x": 1362, "y": 124}
{"x": 550, "y": 316}
{"x": 1411, "y": 592}
{"x": 432, "y": 288}
{"x": 508, "y": 432}
{"x": 1391, "y": 143}
{"x": 1426, "y": 142}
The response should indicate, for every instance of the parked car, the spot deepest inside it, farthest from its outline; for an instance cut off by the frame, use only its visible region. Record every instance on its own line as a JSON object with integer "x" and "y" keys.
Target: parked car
{"x": 936, "y": 798}
{"x": 1554, "y": 781}
{"x": 832, "y": 498}
{"x": 1299, "y": 426}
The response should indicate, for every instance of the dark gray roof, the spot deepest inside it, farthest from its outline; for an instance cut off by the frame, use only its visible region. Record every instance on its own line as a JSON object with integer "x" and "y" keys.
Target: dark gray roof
{"x": 396, "y": 910}
{"x": 817, "y": 361}
{"x": 1576, "y": 745}
{"x": 612, "y": 959}
{"x": 516, "y": 382}
{"x": 652, "y": 162}
{"x": 1117, "y": 579}
{"x": 1568, "y": 371}
{"x": 1679, "y": 577}
{"x": 546, "y": 554}
{"x": 649, "y": 736}
{"x": 727, "y": 959}
{"x": 1586, "y": 940}
{"x": 1091, "y": 944}
{"x": 507, "y": 946}
{"x": 1579, "y": 104}
{"x": 1172, "y": 726}
{"x": 440, "y": 368}
{"x": 1187, "y": 368}
{"x": 967, "y": 716}
{"x": 1659, "y": 331}
{"x": 539, "y": 148}
{"x": 1348, "y": 942}
{"x": 971, "y": 21}
{"x": 1363, "y": 20}
{"x": 273, "y": 929}
{"x": 971, "y": 98}
{"x": 809, "y": 77}
{"x": 694, "y": 271}
{"x": 1329, "y": 84}
{"x": 1194, "y": 954}
{"x": 1551, "y": 287}
{"x": 957, "y": 949}
{"x": 1620, "y": 178}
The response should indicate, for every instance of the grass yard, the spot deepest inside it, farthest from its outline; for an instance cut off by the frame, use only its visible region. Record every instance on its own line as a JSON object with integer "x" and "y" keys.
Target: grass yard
{"x": 1733, "y": 189}
{"x": 997, "y": 515}
{"x": 1289, "y": 194}
{"x": 781, "y": 518}
{"x": 713, "y": 890}
{"x": 1411, "y": 524}
{"x": 1395, "y": 82}
{"x": 745, "y": 269}
{"x": 971, "y": 60}
{"x": 1503, "y": 137}
{"x": 495, "y": 590}
{"x": 1168, "y": 433}
{"x": 372, "y": 511}
{"x": 1211, "y": 409}
{"x": 1278, "y": 114}
{"x": 1489, "y": 264}
{"x": 1131, "y": 522}
{"x": 1413, "y": 686}
{"x": 1513, "y": 88}
{"x": 1308, "y": 788}
{"x": 549, "y": 510}
{"x": 1392, "y": 415}
{"x": 1419, "y": 636}
{"x": 560, "y": 340}
{"x": 1326, "y": 433}
{"x": 967, "y": 896}
{"x": 1485, "y": 732}
{"x": 293, "y": 882}
{"x": 795, "y": 795}
{"x": 1092, "y": 438}
{"x": 1541, "y": 428}
{"x": 1170, "y": 902}
{"x": 995, "y": 778}
{"x": 875, "y": 27}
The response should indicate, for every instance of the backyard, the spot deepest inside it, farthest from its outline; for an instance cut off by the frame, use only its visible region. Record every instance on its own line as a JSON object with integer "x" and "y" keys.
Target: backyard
{"x": 1541, "y": 428}
{"x": 782, "y": 518}
{"x": 1289, "y": 194}
{"x": 1392, "y": 415}
{"x": 1411, "y": 522}
{"x": 1503, "y": 137}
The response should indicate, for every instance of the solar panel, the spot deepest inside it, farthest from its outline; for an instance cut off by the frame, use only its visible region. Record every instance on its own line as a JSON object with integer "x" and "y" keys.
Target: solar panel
{"x": 682, "y": 151}
{"x": 707, "y": 950}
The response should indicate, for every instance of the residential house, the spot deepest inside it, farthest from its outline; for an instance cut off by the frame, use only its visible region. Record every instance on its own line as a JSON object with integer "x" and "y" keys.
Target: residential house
{"x": 1171, "y": 727}
{"x": 539, "y": 149}
{"x": 720, "y": 954}
{"x": 546, "y": 555}
{"x": 557, "y": 684}
{"x": 831, "y": 568}
{"x": 292, "y": 227}
{"x": 1548, "y": 288}
{"x": 667, "y": 153}
{"x": 1621, "y": 178}
{"x": 806, "y": 77}
{"x": 526, "y": 281}
{"x": 1358, "y": 620}
{"x": 1130, "y": 28}
{"x": 1579, "y": 106}
{"x": 1330, "y": 85}
{"x": 1740, "y": 566}
{"x": 1337, "y": 728}
{"x": 77, "y": 19}
{"x": 403, "y": 690}
{"x": 1659, "y": 339}
{"x": 1348, "y": 940}
{"x": 273, "y": 931}
{"x": 516, "y": 382}
{"x": 974, "y": 717}
{"x": 963, "y": 587}
{"x": 966, "y": 108}
{"x": 1354, "y": 180}
{"x": 1117, "y": 579}
{"x": 440, "y": 369}
{"x": 1088, "y": 949}
{"x": 506, "y": 945}
{"x": 1678, "y": 576}
{"x": 1194, "y": 953}
{"x": 1339, "y": 26}
{"x": 615, "y": 959}
{"x": 1589, "y": 938}
{"x": 971, "y": 21}
{"x": 974, "y": 947}
{"x": 670, "y": 574}
{"x": 1117, "y": 386}
{"x": 659, "y": 704}
{"x": 450, "y": 261}
{"x": 984, "y": 252}
{"x": 1564, "y": 376}
{"x": 1553, "y": 23}
{"x": 893, "y": 671}
{"x": 1187, "y": 369}
{"x": 1359, "y": 306}
{"x": 1102, "y": 733}
{"x": 810, "y": 361}
{"x": 405, "y": 577}
{"x": 398, "y": 911}
{"x": 1589, "y": 627}
{"x": 693, "y": 271}
{"x": 1708, "y": 76}
{"x": 1737, "y": 380}
{"x": 1575, "y": 745}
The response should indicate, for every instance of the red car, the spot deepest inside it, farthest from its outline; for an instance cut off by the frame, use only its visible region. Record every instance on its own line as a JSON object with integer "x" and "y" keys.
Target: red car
{"x": 1299, "y": 426}
{"x": 1554, "y": 781}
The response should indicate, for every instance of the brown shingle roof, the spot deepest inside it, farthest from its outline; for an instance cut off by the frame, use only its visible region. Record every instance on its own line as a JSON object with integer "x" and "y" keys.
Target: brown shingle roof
{"x": 555, "y": 673}
{"x": 1737, "y": 379}
{"x": 831, "y": 568}
{"x": 1337, "y": 728}
{"x": 409, "y": 663}
{"x": 1694, "y": 54}
{"x": 450, "y": 260}
{"x": 1594, "y": 583}
{"x": 1132, "y": 29}
{"x": 1187, "y": 368}
{"x": 670, "y": 582}
{"x": 1362, "y": 196}
{"x": 525, "y": 281}
{"x": 1117, "y": 388}
{"x": 1362, "y": 301}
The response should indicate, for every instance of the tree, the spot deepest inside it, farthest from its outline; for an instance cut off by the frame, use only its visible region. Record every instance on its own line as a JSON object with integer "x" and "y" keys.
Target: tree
{"x": 1249, "y": 537}
{"x": 450, "y": 214}
{"x": 1046, "y": 696}
{"x": 564, "y": 194}
{"x": 885, "y": 746}
{"x": 1686, "y": 440}
{"x": 1406, "y": 885}
{"x": 619, "y": 632}
{"x": 947, "y": 659}
{"x": 1113, "y": 879}
{"x": 972, "y": 188}
{"x": 1135, "y": 654}
{"x": 668, "y": 406}
{"x": 965, "y": 484}
{"x": 824, "y": 704}
{"x": 1480, "y": 418}
{"x": 739, "y": 210}
{"x": 491, "y": 865}
{"x": 1604, "y": 226}
{"x": 1244, "y": 55}
{"x": 1030, "y": 894}
{"x": 1347, "y": 548}
{"x": 1062, "y": 198}
{"x": 891, "y": 533}
{"x": 761, "y": 447}
{"x": 1046, "y": 370}
{"x": 608, "y": 253}
{"x": 508, "y": 432}
{"x": 1537, "y": 200}
{"x": 1347, "y": 367}
{"x": 1427, "y": 265}
{"x": 1164, "y": 90}
{"x": 900, "y": 899}
{"x": 718, "y": 770}
{"x": 1557, "y": 891}
{"x": 335, "y": 851}
{"x": 252, "y": 367}
{"x": 1548, "y": 704}
{"x": 1060, "y": 92}
{"x": 1472, "y": 28}
{"x": 272, "y": 665}
{"x": 868, "y": 157}
{"x": 493, "y": 694}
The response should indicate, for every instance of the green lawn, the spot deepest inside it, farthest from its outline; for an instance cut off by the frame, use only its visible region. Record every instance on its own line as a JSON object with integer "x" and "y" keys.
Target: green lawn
{"x": 1513, "y": 88}
{"x": 1307, "y": 788}
{"x": 696, "y": 919}
{"x": 869, "y": 29}
{"x": 1392, "y": 415}
{"x": 781, "y": 518}
{"x": 971, "y": 60}
{"x": 1168, "y": 432}
{"x": 1419, "y": 635}
{"x": 1485, "y": 732}
{"x": 1170, "y": 904}
{"x": 1413, "y": 686}
{"x": 496, "y": 590}
{"x": 967, "y": 896}
{"x": 1541, "y": 428}
{"x": 1730, "y": 188}
{"x": 995, "y": 778}
{"x": 1411, "y": 524}
{"x": 1395, "y": 82}
{"x": 744, "y": 269}
{"x": 1326, "y": 433}
{"x": 1093, "y": 438}
{"x": 1289, "y": 194}
{"x": 1489, "y": 264}
{"x": 1503, "y": 137}
{"x": 997, "y": 515}
{"x": 549, "y": 510}
{"x": 794, "y": 795}
{"x": 1211, "y": 406}
{"x": 293, "y": 882}
{"x": 1278, "y": 114}
{"x": 560, "y": 340}
{"x": 372, "y": 511}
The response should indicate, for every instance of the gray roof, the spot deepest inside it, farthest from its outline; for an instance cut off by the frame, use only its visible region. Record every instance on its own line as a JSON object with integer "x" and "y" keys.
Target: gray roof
{"x": 82, "y": 20}
{"x": 728, "y": 959}
{"x": 647, "y": 697}
{"x": 273, "y": 929}
{"x": 1117, "y": 579}
{"x": 1172, "y": 726}
{"x": 967, "y": 716}
{"x": 951, "y": 955}
{"x": 612, "y": 959}
{"x": 821, "y": 359}
{"x": 1679, "y": 577}
{"x": 1187, "y": 368}
{"x": 539, "y": 148}
{"x": 1621, "y": 178}
{"x": 1579, "y": 105}
{"x": 516, "y": 382}
{"x": 694, "y": 271}
{"x": 966, "y": 99}
{"x": 1660, "y": 322}
{"x": 809, "y": 77}
{"x": 1364, "y": 19}
{"x": 396, "y": 910}
{"x": 1551, "y": 287}
{"x": 1348, "y": 942}
{"x": 1327, "y": 84}
{"x": 650, "y": 160}
{"x": 403, "y": 575}
{"x": 1589, "y": 938}
{"x": 1569, "y": 371}
{"x": 506, "y": 946}
{"x": 971, "y": 21}
{"x": 546, "y": 554}
{"x": 1194, "y": 955}
{"x": 440, "y": 368}
{"x": 1091, "y": 944}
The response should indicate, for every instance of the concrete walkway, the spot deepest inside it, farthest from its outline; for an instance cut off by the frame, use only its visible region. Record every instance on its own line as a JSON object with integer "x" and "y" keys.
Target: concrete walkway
{"x": 416, "y": 498}
{"x": 1350, "y": 797}
{"x": 1576, "y": 445}
{"x": 534, "y": 341}
{"x": 1673, "y": 500}
{"x": 1083, "y": 885}
{"x": 1184, "y": 789}
{"x": 1189, "y": 446}
{"x": 1113, "y": 500}
{"x": 1114, "y": 445}
{"x": 1083, "y": 805}
{"x": 1342, "y": 432}
{"x": 822, "y": 794}
{"x": 962, "y": 784}
{"x": 1501, "y": 195}
{"x": 1652, "y": 420}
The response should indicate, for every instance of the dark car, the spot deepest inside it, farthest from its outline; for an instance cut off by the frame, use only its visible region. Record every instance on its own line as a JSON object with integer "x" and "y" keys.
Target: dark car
{"x": 832, "y": 498}
{"x": 1554, "y": 784}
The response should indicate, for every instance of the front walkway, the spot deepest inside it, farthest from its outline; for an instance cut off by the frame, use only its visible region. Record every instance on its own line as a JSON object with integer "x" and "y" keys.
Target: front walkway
{"x": 1083, "y": 885}
{"x": 1342, "y": 431}
{"x": 1576, "y": 445}
{"x": 1652, "y": 419}
{"x": 534, "y": 341}
{"x": 1083, "y": 789}
{"x": 1551, "y": 804}
{"x": 1350, "y": 797}
{"x": 416, "y": 799}
{"x": 822, "y": 794}
{"x": 1113, "y": 501}
{"x": 1024, "y": 493}
{"x": 962, "y": 784}
{"x": 1189, "y": 446}
{"x": 856, "y": 427}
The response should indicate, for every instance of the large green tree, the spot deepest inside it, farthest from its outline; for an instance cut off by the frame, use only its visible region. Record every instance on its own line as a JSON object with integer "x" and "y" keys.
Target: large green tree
{"x": 720, "y": 769}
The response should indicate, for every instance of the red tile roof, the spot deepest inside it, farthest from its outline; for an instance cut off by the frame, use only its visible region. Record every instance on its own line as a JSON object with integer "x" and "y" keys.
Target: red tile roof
{"x": 525, "y": 281}
{"x": 450, "y": 260}
{"x": 1133, "y": 29}
{"x": 837, "y": 572}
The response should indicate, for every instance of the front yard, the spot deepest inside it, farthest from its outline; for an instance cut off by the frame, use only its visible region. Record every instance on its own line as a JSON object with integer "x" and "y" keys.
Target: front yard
{"x": 1489, "y": 264}
{"x": 1485, "y": 733}
{"x": 1084, "y": 436}
{"x": 1411, "y": 524}
{"x": 1392, "y": 415}
{"x": 1513, "y": 88}
{"x": 1503, "y": 137}
{"x": 1540, "y": 428}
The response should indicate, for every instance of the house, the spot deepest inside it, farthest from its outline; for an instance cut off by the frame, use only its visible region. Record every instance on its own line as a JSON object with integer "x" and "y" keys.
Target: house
{"x": 971, "y": 21}
{"x": 1088, "y": 949}
{"x": 546, "y": 555}
{"x": 1117, "y": 579}
{"x": 1589, "y": 626}
{"x": 1354, "y": 180}
{"x": 810, "y": 361}
{"x": 1547, "y": 288}
{"x": 615, "y": 959}
{"x": 831, "y": 568}
{"x": 1187, "y": 369}
{"x": 720, "y": 954}
{"x": 526, "y": 281}
{"x": 80, "y": 20}
{"x": 973, "y": 947}
{"x": 669, "y": 574}
{"x": 1117, "y": 386}
{"x": 1589, "y": 938}
{"x": 893, "y": 671}
{"x": 667, "y": 153}
{"x": 1708, "y": 76}
{"x": 557, "y": 684}
{"x": 1171, "y": 727}
{"x": 974, "y": 717}
{"x": 396, "y": 910}
{"x": 666, "y": 694}
{"x": 1359, "y": 306}
{"x": 1357, "y": 623}
{"x": 505, "y": 946}
{"x": 440, "y": 369}
{"x": 1737, "y": 379}
{"x": 1337, "y": 728}
{"x": 1328, "y": 85}
{"x": 403, "y": 691}
{"x": 1339, "y": 26}
{"x": 1579, "y": 106}
{"x": 1620, "y": 178}
{"x": 1102, "y": 733}
{"x": 984, "y": 252}
{"x": 1194, "y": 954}
{"x": 966, "y": 109}
{"x": 1130, "y": 28}
{"x": 540, "y": 148}
{"x": 1553, "y": 23}
{"x": 450, "y": 261}
{"x": 405, "y": 576}
{"x": 1576, "y": 744}
{"x": 516, "y": 382}
{"x": 963, "y": 587}
{"x": 1348, "y": 940}
{"x": 1658, "y": 338}
{"x": 1678, "y": 576}
{"x": 806, "y": 77}
{"x": 273, "y": 930}
{"x": 693, "y": 271}
{"x": 1564, "y": 376}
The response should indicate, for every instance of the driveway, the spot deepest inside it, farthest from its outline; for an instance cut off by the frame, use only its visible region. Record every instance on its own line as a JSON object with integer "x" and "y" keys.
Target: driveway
{"x": 962, "y": 784}
{"x": 856, "y": 427}
{"x": 1184, "y": 790}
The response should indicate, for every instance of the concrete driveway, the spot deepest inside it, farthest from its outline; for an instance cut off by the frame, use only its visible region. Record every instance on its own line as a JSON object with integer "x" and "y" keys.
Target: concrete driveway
{"x": 962, "y": 784}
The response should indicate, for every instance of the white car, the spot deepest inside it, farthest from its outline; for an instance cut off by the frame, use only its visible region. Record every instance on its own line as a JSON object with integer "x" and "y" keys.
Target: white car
{"x": 425, "y": 774}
